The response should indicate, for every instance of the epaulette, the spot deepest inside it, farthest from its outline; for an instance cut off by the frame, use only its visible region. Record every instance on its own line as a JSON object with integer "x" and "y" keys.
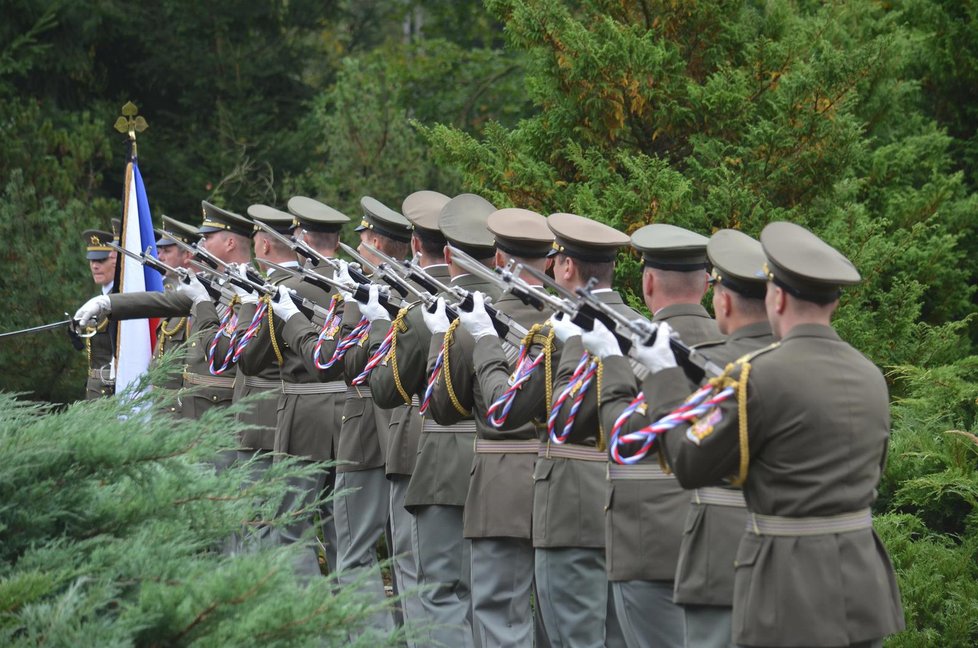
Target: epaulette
{"x": 749, "y": 357}
{"x": 709, "y": 344}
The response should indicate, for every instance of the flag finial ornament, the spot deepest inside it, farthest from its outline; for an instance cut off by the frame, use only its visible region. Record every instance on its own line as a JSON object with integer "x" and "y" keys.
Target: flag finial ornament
{"x": 131, "y": 122}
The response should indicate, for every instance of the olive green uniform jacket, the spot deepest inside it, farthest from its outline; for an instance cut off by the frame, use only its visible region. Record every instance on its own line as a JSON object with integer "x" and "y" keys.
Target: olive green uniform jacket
{"x": 645, "y": 517}
{"x": 818, "y": 425}
{"x": 499, "y": 503}
{"x": 704, "y": 574}
{"x": 263, "y": 413}
{"x": 101, "y": 351}
{"x": 407, "y": 365}
{"x": 204, "y": 326}
{"x": 444, "y": 463}
{"x": 306, "y": 423}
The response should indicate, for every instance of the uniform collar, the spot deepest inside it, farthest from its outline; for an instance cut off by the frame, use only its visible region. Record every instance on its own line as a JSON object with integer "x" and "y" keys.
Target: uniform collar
{"x": 675, "y": 310}
{"x": 812, "y": 330}
{"x": 757, "y": 329}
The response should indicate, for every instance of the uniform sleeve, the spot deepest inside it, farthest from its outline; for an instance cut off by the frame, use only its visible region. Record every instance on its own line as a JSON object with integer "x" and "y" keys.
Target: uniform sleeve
{"x": 707, "y": 452}
{"x": 493, "y": 371}
{"x": 301, "y": 336}
{"x": 258, "y": 353}
{"x": 356, "y": 358}
{"x": 459, "y": 362}
{"x": 126, "y": 306}
{"x": 411, "y": 358}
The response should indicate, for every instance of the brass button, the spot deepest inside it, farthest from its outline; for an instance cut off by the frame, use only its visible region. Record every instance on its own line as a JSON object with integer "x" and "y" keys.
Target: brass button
{"x": 214, "y": 398}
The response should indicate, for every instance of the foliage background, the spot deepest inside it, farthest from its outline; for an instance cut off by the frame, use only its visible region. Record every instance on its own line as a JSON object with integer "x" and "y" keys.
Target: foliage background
{"x": 857, "y": 119}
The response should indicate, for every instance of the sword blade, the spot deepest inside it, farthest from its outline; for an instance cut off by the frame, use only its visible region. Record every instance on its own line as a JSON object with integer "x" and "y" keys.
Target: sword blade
{"x": 36, "y": 329}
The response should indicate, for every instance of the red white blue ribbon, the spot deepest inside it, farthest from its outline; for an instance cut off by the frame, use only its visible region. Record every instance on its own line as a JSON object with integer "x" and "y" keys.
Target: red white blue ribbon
{"x": 229, "y": 321}
{"x": 376, "y": 358}
{"x": 580, "y": 380}
{"x": 499, "y": 410}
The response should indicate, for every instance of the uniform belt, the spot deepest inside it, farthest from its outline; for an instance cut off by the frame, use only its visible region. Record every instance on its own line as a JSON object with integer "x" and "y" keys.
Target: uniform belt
{"x": 457, "y": 428}
{"x": 719, "y": 497}
{"x": 571, "y": 451}
{"x": 262, "y": 383}
{"x": 649, "y": 470}
{"x": 331, "y": 387}
{"x": 358, "y": 391}
{"x": 414, "y": 401}
{"x": 103, "y": 373}
{"x": 208, "y": 381}
{"x": 776, "y": 525}
{"x": 487, "y": 446}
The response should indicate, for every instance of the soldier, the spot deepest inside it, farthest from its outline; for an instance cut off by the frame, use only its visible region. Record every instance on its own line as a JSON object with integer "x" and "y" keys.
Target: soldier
{"x": 499, "y": 504}
{"x": 440, "y": 483}
{"x": 258, "y": 442}
{"x": 569, "y": 476}
{"x": 310, "y": 406}
{"x": 809, "y": 570}
{"x": 361, "y": 516}
{"x": 208, "y": 371}
{"x": 716, "y": 516}
{"x": 397, "y": 384}
{"x": 646, "y": 507}
{"x": 100, "y": 347}
{"x": 171, "y": 334}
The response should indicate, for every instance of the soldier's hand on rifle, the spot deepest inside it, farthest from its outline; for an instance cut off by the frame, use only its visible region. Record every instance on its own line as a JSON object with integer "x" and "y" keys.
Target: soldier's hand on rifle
{"x": 92, "y": 311}
{"x": 658, "y": 355}
{"x": 477, "y": 321}
{"x": 193, "y": 289}
{"x": 600, "y": 341}
{"x": 244, "y": 296}
{"x": 372, "y": 310}
{"x": 436, "y": 320}
{"x": 283, "y": 306}
{"x": 342, "y": 275}
{"x": 563, "y": 328}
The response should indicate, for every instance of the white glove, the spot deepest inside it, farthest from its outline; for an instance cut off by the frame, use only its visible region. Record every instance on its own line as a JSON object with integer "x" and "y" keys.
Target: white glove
{"x": 477, "y": 321}
{"x": 244, "y": 296}
{"x": 372, "y": 310}
{"x": 342, "y": 275}
{"x": 437, "y": 321}
{"x": 600, "y": 341}
{"x": 92, "y": 311}
{"x": 563, "y": 327}
{"x": 193, "y": 289}
{"x": 283, "y": 306}
{"x": 659, "y": 355}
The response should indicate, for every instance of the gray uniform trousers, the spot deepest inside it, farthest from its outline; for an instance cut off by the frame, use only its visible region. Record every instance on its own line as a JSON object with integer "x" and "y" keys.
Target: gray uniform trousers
{"x": 252, "y": 538}
{"x": 303, "y": 491}
{"x": 443, "y": 557}
{"x": 361, "y": 517}
{"x": 404, "y": 565}
{"x": 709, "y": 626}
{"x": 872, "y": 643}
{"x": 502, "y": 578}
{"x": 614, "y": 635}
{"x": 649, "y": 618}
{"x": 573, "y": 588}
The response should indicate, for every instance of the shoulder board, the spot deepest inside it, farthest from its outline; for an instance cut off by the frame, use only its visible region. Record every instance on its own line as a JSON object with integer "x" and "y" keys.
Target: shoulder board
{"x": 709, "y": 344}
{"x": 749, "y": 357}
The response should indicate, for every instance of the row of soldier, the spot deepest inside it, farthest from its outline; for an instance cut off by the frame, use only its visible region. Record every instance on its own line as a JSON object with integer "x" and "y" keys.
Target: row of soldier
{"x": 515, "y": 454}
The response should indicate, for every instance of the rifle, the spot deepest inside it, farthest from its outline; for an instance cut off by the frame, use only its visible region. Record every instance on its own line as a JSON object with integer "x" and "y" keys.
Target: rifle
{"x": 694, "y": 364}
{"x": 387, "y": 274}
{"x": 517, "y": 287}
{"x": 213, "y": 289}
{"x": 360, "y": 291}
{"x": 503, "y": 323}
{"x": 302, "y": 248}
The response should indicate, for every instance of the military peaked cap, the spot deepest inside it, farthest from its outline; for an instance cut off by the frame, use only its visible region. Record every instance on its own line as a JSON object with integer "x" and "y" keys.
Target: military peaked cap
{"x": 97, "y": 244}
{"x": 221, "y": 220}
{"x": 315, "y": 216}
{"x": 738, "y": 262}
{"x": 280, "y": 221}
{"x": 174, "y": 229}
{"x": 584, "y": 239}
{"x": 667, "y": 247}
{"x": 521, "y": 232}
{"x": 804, "y": 265}
{"x": 463, "y": 222}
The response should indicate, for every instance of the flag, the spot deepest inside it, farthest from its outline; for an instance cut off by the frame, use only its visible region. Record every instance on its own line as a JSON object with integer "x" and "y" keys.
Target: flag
{"x": 136, "y": 338}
